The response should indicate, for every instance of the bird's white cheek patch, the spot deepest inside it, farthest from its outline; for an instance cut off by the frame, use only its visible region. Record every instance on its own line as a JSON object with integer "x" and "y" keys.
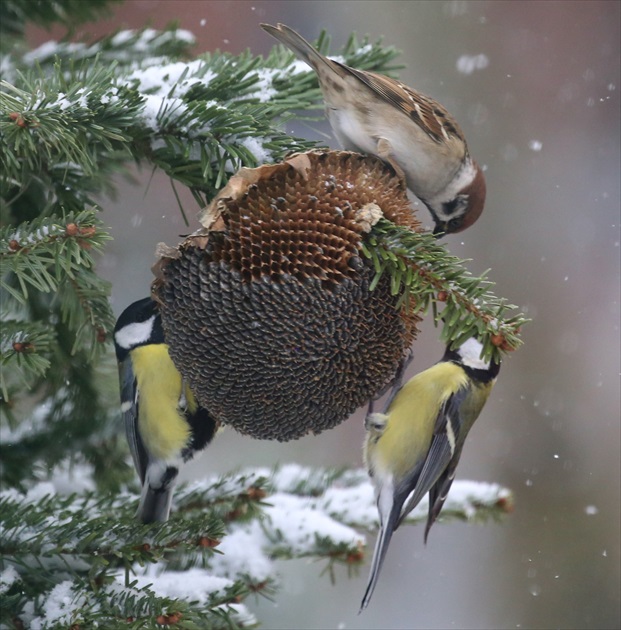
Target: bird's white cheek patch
{"x": 470, "y": 353}
{"x": 134, "y": 334}
{"x": 463, "y": 178}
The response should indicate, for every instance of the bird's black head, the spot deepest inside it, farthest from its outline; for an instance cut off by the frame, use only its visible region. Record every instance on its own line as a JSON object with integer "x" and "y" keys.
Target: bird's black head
{"x": 138, "y": 325}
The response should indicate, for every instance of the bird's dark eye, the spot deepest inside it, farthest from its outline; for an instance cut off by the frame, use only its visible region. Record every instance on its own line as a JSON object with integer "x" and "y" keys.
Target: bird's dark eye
{"x": 454, "y": 224}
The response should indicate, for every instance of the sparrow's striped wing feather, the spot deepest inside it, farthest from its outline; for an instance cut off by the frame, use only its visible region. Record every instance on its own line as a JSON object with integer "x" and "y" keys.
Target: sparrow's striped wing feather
{"x": 428, "y": 114}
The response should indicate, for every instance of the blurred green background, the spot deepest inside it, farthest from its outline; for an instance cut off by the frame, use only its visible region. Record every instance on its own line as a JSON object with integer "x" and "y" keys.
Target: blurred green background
{"x": 535, "y": 86}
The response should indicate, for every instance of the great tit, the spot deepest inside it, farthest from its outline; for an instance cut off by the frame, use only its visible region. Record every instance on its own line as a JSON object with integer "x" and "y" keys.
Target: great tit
{"x": 165, "y": 425}
{"x": 414, "y": 447}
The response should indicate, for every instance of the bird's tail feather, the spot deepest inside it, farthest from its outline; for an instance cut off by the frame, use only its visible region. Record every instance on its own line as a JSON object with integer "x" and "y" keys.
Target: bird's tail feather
{"x": 297, "y": 44}
{"x": 154, "y": 505}
{"x": 381, "y": 547}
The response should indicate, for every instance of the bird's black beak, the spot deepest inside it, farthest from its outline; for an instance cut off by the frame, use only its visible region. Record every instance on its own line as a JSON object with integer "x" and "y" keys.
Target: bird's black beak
{"x": 440, "y": 230}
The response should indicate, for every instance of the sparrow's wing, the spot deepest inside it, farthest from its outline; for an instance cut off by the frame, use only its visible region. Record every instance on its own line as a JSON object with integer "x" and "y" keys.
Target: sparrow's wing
{"x": 130, "y": 405}
{"x": 428, "y": 114}
{"x": 445, "y": 445}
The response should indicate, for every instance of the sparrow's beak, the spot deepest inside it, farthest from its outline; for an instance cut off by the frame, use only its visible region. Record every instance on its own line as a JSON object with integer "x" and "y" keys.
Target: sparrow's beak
{"x": 439, "y": 230}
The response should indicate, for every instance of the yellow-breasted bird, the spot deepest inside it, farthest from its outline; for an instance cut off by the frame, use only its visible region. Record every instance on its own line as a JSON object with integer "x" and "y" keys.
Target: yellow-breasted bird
{"x": 414, "y": 447}
{"x": 164, "y": 423}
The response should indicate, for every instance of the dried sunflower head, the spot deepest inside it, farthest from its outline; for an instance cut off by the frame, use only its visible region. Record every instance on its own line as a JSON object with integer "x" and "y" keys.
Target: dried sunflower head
{"x": 267, "y": 309}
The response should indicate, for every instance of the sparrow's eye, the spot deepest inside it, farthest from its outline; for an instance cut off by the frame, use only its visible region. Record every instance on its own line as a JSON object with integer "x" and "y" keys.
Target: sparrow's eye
{"x": 454, "y": 224}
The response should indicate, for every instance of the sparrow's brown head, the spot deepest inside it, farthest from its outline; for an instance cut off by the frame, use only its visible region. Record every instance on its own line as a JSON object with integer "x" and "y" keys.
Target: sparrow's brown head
{"x": 464, "y": 209}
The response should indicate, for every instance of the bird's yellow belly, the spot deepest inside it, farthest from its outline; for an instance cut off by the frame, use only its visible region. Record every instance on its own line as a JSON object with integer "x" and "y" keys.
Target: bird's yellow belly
{"x": 412, "y": 419}
{"x": 162, "y": 427}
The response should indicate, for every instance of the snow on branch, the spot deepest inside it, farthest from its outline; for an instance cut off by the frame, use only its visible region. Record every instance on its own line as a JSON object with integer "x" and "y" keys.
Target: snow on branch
{"x": 219, "y": 546}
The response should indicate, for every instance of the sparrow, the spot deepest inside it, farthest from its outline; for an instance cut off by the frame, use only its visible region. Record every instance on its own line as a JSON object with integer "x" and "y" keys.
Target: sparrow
{"x": 374, "y": 114}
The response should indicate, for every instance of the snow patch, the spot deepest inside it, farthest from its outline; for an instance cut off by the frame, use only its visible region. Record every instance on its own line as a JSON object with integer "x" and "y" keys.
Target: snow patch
{"x": 467, "y": 64}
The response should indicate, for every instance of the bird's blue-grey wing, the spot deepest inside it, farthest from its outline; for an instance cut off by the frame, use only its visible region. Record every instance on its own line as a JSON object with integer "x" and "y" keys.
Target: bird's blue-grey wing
{"x": 130, "y": 403}
{"x": 445, "y": 446}
{"x": 439, "y": 492}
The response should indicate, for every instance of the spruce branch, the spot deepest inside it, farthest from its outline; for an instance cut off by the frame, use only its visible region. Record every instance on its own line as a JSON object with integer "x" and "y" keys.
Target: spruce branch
{"x": 71, "y": 116}
{"x": 17, "y": 13}
{"x": 124, "y": 48}
{"x": 70, "y": 415}
{"x": 68, "y": 136}
{"x": 24, "y": 353}
{"x": 114, "y": 568}
{"x": 43, "y": 252}
{"x": 423, "y": 273}
{"x": 199, "y": 121}
{"x": 51, "y": 256}
{"x": 67, "y": 124}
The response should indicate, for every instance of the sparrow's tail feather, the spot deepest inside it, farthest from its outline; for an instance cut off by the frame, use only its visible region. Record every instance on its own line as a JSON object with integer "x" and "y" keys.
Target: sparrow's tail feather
{"x": 298, "y": 45}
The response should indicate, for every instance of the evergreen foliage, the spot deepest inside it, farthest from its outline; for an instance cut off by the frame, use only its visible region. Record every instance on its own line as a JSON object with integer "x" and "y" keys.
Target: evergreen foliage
{"x": 424, "y": 273}
{"x": 73, "y": 115}
{"x": 84, "y": 560}
{"x": 17, "y": 13}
